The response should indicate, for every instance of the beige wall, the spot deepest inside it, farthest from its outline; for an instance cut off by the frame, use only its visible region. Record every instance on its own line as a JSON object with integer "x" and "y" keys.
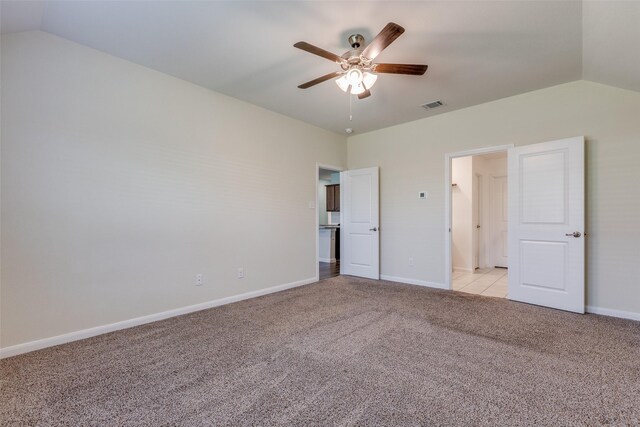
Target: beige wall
{"x": 411, "y": 159}
{"x": 120, "y": 184}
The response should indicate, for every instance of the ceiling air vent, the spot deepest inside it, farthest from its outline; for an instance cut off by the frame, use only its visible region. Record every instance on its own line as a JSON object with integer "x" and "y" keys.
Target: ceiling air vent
{"x": 432, "y": 104}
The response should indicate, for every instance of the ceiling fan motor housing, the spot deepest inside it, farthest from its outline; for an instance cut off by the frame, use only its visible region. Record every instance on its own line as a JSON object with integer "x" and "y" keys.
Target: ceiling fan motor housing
{"x": 356, "y": 40}
{"x": 354, "y": 56}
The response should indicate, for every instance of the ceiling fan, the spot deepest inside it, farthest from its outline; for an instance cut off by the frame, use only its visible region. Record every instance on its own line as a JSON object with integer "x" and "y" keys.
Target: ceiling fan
{"x": 358, "y": 72}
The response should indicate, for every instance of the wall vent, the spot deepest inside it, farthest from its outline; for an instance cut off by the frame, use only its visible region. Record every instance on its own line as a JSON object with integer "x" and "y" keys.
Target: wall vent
{"x": 432, "y": 104}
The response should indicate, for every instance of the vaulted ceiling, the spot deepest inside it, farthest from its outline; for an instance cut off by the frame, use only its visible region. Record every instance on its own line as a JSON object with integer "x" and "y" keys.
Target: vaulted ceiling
{"x": 477, "y": 51}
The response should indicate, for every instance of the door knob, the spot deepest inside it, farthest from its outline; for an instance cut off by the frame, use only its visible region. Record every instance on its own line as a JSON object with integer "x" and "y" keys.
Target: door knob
{"x": 574, "y": 234}
{"x": 373, "y": 229}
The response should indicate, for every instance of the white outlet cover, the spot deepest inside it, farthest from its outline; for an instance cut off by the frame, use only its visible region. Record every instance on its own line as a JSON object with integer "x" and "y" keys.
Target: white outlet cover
{"x": 198, "y": 279}
{"x": 240, "y": 273}
{"x": 312, "y": 205}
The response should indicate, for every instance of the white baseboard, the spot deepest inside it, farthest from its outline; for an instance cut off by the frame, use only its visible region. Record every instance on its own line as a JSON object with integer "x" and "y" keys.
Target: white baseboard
{"x": 17, "y": 349}
{"x": 613, "y": 313}
{"x": 414, "y": 282}
{"x": 466, "y": 270}
{"x": 330, "y": 260}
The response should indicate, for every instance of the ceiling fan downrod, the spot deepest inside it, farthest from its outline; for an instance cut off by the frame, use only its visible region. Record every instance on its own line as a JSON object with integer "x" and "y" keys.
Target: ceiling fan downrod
{"x": 356, "y": 40}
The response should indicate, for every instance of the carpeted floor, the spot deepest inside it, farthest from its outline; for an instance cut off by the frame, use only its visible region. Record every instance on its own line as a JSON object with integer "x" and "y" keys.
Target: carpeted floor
{"x": 343, "y": 351}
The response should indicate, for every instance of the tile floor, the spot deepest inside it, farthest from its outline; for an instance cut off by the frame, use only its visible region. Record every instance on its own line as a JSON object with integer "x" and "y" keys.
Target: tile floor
{"x": 490, "y": 282}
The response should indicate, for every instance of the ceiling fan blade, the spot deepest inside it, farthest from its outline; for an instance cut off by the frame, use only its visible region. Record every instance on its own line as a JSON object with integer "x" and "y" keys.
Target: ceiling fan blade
{"x": 365, "y": 94}
{"x": 321, "y": 79}
{"x": 388, "y": 34}
{"x": 320, "y": 52}
{"x": 412, "y": 69}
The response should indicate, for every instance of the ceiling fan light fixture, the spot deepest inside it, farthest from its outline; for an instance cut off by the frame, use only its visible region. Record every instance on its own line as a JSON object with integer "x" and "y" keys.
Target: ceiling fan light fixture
{"x": 358, "y": 89}
{"x": 354, "y": 76}
{"x": 369, "y": 79}
{"x": 343, "y": 83}
{"x": 357, "y": 80}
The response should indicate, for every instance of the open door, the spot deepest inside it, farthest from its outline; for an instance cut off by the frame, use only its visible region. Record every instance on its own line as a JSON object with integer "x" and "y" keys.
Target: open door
{"x": 546, "y": 224}
{"x": 359, "y": 230}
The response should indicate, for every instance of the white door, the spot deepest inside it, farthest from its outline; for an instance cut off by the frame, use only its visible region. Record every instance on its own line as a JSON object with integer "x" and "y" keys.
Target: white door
{"x": 500, "y": 222}
{"x": 546, "y": 219}
{"x": 359, "y": 230}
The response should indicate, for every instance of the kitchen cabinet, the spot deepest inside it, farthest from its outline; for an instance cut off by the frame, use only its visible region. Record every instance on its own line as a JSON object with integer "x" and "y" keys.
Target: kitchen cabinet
{"x": 333, "y": 197}
{"x": 329, "y": 243}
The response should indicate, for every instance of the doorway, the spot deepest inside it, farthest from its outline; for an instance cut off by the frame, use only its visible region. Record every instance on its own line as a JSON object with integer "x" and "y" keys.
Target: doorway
{"x": 477, "y": 221}
{"x": 328, "y": 219}
{"x": 544, "y": 245}
{"x": 347, "y": 222}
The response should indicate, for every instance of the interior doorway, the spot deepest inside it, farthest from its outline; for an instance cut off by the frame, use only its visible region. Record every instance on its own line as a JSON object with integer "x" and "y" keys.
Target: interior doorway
{"x": 477, "y": 235}
{"x": 328, "y": 219}
{"x": 543, "y": 204}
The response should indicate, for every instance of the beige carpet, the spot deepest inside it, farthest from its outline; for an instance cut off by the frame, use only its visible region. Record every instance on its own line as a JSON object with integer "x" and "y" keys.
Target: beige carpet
{"x": 344, "y": 351}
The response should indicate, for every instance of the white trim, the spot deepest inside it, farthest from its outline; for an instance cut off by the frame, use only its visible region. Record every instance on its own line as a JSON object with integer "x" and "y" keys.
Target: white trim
{"x": 329, "y": 260}
{"x": 331, "y": 168}
{"x": 613, "y": 313}
{"x": 414, "y": 282}
{"x": 17, "y": 349}
{"x": 447, "y": 201}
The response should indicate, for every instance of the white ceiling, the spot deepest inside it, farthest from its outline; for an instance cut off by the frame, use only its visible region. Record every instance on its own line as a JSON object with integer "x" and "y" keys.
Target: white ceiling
{"x": 611, "y": 43}
{"x": 477, "y": 51}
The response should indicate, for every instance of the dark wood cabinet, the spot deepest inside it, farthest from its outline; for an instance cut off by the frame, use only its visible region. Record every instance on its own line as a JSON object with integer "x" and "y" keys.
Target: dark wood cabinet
{"x": 333, "y": 197}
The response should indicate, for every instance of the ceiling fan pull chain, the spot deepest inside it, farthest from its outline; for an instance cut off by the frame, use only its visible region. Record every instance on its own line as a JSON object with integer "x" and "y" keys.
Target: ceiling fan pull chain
{"x": 350, "y": 113}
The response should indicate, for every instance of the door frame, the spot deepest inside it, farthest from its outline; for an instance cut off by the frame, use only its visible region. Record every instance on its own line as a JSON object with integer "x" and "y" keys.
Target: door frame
{"x": 447, "y": 201}
{"x": 317, "y": 221}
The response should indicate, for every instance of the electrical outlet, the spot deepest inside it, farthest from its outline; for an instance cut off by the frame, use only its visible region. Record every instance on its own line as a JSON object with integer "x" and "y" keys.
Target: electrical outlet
{"x": 240, "y": 272}
{"x": 411, "y": 261}
{"x": 198, "y": 279}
